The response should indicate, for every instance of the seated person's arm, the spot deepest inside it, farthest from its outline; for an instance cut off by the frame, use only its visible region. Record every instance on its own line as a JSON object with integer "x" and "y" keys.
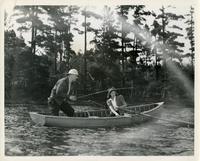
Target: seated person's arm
{"x": 109, "y": 103}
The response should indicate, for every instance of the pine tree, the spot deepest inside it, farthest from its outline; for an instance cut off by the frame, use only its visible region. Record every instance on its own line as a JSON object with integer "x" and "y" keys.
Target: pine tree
{"x": 123, "y": 11}
{"x": 169, "y": 47}
{"x": 190, "y": 34}
{"x": 107, "y": 44}
{"x": 28, "y": 17}
{"x": 56, "y": 37}
{"x": 87, "y": 28}
{"x": 107, "y": 56}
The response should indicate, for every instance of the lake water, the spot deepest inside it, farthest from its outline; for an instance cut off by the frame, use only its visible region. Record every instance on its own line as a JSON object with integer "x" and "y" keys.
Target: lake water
{"x": 155, "y": 138}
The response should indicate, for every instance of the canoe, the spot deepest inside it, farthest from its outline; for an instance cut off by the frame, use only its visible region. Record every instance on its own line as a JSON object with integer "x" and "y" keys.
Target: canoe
{"x": 100, "y": 118}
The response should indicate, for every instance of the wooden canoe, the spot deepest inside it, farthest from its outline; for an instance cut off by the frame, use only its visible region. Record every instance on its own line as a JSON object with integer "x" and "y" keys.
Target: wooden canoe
{"x": 99, "y": 118}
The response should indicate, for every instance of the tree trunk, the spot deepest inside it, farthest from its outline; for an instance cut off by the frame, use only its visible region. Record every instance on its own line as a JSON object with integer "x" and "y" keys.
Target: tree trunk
{"x": 122, "y": 54}
{"x": 156, "y": 65}
{"x": 164, "y": 56}
{"x": 32, "y": 39}
{"x": 33, "y": 31}
{"x": 55, "y": 54}
{"x": 85, "y": 60}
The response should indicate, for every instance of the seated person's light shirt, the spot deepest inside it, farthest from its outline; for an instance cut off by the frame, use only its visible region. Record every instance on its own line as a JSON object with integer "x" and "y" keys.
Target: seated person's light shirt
{"x": 114, "y": 103}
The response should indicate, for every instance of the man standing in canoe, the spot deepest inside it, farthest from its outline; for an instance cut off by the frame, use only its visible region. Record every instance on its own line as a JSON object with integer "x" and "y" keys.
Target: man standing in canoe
{"x": 61, "y": 94}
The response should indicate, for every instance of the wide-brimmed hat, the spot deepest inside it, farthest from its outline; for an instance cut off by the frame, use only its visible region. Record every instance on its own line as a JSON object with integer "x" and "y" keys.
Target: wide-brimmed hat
{"x": 73, "y": 71}
{"x": 110, "y": 90}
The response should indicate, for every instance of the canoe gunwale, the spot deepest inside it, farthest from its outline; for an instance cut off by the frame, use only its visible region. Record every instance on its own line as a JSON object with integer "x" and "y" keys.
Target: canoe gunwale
{"x": 75, "y": 118}
{"x": 153, "y": 109}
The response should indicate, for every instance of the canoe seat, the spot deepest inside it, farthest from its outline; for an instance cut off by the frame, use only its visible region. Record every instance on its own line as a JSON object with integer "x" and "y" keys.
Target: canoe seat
{"x": 100, "y": 113}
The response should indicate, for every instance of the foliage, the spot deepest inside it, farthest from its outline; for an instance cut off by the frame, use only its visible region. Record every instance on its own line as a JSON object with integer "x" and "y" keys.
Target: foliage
{"x": 13, "y": 45}
{"x": 168, "y": 37}
{"x": 190, "y": 34}
{"x": 28, "y": 17}
{"x": 25, "y": 73}
{"x": 106, "y": 45}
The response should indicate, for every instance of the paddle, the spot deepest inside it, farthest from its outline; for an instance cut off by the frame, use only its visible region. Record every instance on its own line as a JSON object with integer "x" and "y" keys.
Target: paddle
{"x": 180, "y": 122}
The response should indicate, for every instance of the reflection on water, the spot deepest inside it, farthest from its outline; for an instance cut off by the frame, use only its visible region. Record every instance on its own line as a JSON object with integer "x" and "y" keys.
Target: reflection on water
{"x": 23, "y": 138}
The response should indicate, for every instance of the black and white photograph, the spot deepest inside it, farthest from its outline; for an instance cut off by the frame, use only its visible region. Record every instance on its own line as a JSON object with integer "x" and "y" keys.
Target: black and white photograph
{"x": 99, "y": 79}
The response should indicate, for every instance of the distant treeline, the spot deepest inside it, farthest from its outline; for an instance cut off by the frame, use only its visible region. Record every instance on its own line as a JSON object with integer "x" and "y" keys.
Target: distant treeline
{"x": 142, "y": 62}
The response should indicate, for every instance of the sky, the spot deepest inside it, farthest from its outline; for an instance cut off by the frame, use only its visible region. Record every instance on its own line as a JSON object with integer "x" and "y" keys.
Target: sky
{"x": 78, "y": 44}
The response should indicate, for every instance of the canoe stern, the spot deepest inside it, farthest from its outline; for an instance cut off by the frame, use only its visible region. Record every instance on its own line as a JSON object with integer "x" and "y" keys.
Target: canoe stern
{"x": 155, "y": 111}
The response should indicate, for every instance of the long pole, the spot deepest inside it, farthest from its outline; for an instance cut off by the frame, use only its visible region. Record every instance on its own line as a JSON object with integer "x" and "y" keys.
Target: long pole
{"x": 91, "y": 94}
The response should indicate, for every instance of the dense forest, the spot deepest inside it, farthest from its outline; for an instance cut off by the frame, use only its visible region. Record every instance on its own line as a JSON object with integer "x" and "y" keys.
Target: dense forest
{"x": 143, "y": 58}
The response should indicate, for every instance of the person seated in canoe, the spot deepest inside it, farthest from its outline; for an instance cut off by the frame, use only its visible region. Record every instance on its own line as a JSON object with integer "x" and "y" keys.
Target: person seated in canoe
{"x": 115, "y": 101}
{"x": 61, "y": 94}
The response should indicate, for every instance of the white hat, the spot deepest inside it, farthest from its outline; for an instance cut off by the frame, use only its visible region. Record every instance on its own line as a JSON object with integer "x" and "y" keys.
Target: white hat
{"x": 73, "y": 71}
